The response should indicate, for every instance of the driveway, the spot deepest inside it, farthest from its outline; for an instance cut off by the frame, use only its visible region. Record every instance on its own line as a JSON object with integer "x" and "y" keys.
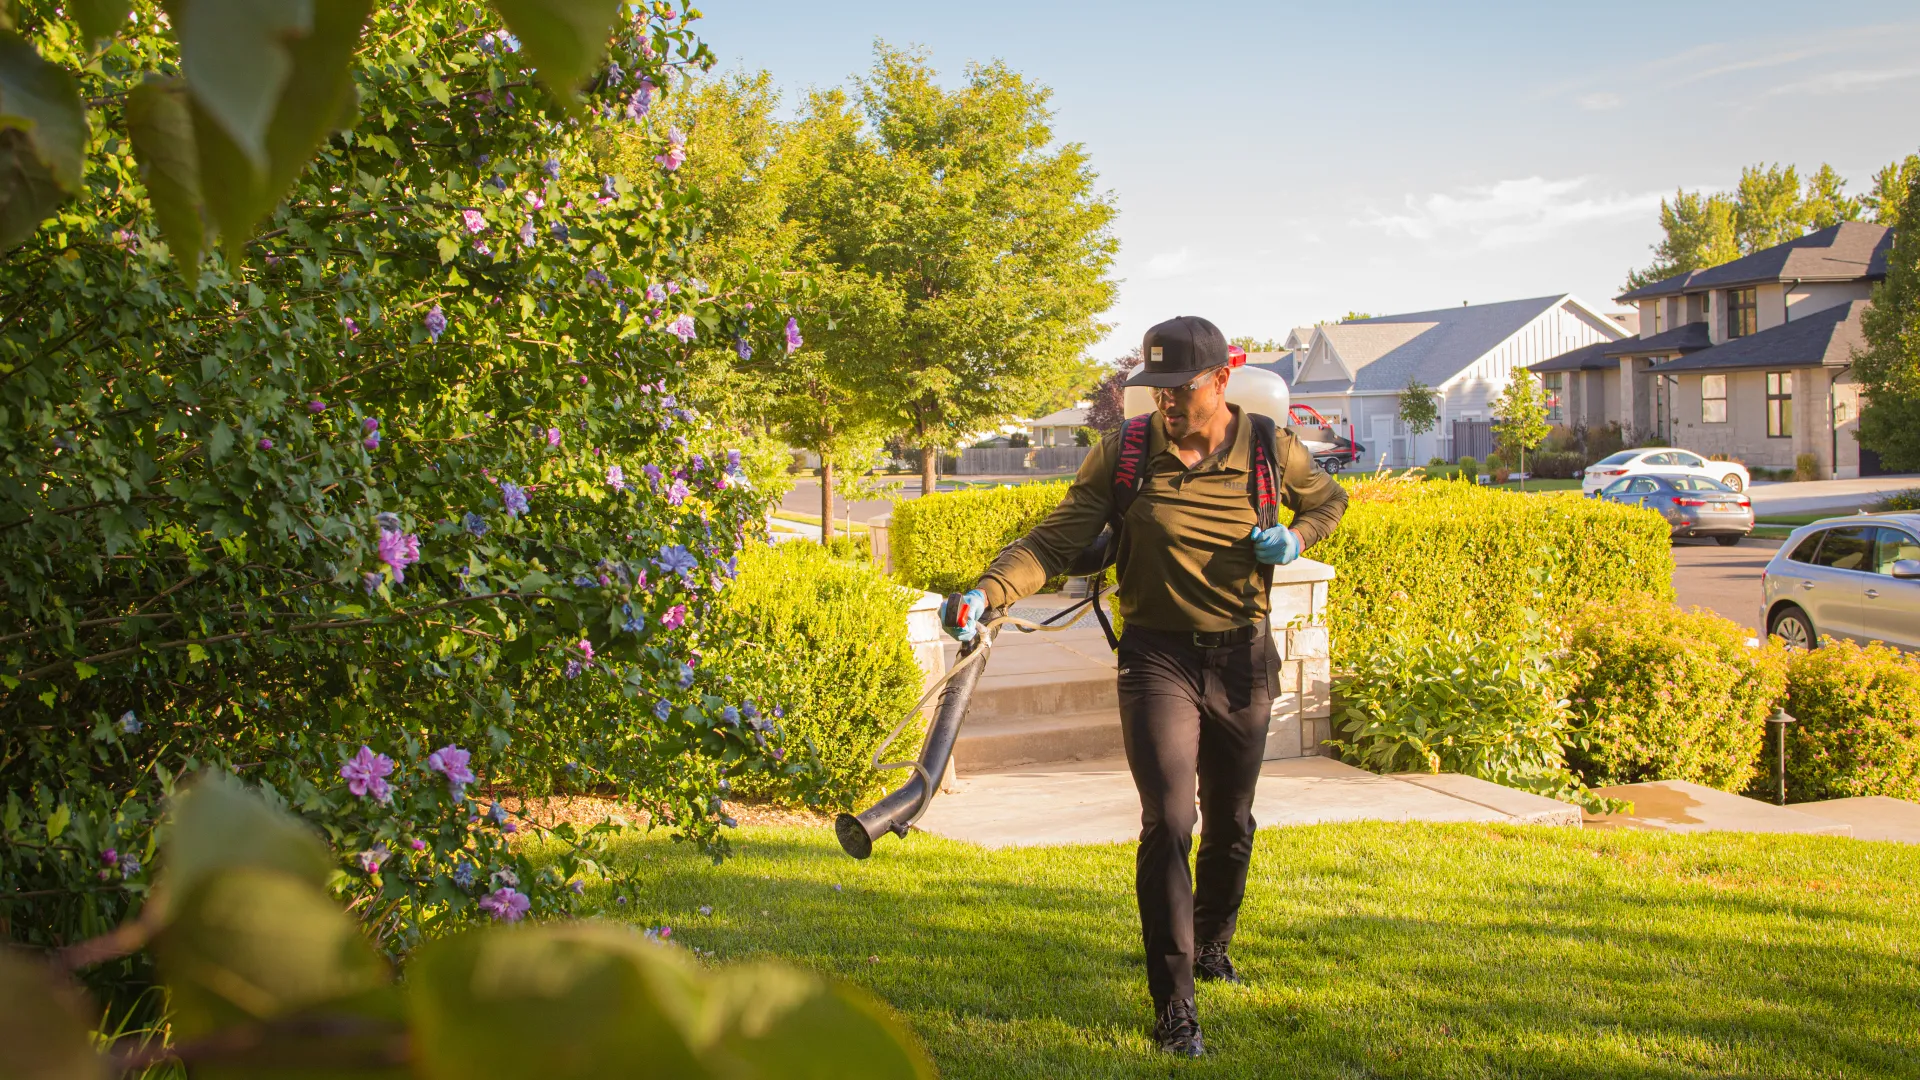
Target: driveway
{"x": 1725, "y": 580}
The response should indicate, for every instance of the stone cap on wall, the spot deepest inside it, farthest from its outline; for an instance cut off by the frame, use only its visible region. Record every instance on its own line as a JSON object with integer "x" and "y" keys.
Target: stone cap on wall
{"x": 1303, "y": 569}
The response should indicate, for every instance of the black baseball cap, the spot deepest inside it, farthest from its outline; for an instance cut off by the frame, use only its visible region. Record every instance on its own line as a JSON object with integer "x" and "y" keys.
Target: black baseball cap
{"x": 1177, "y": 350}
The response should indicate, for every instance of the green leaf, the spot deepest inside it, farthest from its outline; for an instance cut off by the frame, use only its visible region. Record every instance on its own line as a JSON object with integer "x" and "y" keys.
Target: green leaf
{"x": 45, "y": 1023}
{"x": 449, "y": 247}
{"x": 196, "y": 654}
{"x": 57, "y": 821}
{"x": 560, "y": 1001}
{"x": 84, "y": 671}
{"x": 778, "y": 1022}
{"x": 161, "y": 126}
{"x": 100, "y": 18}
{"x": 563, "y": 38}
{"x": 220, "y": 442}
{"x": 218, "y": 824}
{"x": 237, "y": 56}
{"x": 43, "y": 137}
{"x": 250, "y": 943}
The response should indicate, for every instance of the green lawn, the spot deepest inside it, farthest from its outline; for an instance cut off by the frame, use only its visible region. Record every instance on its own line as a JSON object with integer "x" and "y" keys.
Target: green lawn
{"x": 1375, "y": 950}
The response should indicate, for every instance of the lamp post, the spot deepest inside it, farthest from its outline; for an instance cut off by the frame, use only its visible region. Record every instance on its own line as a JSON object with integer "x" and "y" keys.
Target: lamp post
{"x": 1780, "y": 720}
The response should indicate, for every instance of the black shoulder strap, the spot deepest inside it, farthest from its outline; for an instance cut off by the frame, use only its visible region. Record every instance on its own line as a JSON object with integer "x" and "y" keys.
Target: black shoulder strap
{"x": 1266, "y": 469}
{"x": 1129, "y": 468}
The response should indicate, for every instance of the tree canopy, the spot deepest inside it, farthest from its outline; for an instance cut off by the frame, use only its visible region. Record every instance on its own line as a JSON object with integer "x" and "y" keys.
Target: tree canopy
{"x": 1888, "y": 369}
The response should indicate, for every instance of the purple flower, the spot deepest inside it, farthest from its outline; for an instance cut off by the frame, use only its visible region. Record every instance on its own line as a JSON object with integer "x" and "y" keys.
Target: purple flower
{"x": 682, "y": 328}
{"x": 399, "y": 552}
{"x": 677, "y": 494}
{"x": 129, "y": 866}
{"x": 559, "y": 232}
{"x": 686, "y": 676}
{"x": 553, "y": 437}
{"x": 371, "y": 859}
{"x": 616, "y": 478}
{"x": 475, "y": 524}
{"x": 661, "y": 709}
{"x": 475, "y": 220}
{"x": 793, "y": 337}
{"x": 371, "y": 442}
{"x": 316, "y": 406}
{"x": 574, "y": 667}
{"x": 675, "y": 617}
{"x": 366, "y": 773}
{"x": 352, "y": 327}
{"x": 673, "y": 287}
{"x": 676, "y": 559}
{"x": 515, "y": 498}
{"x": 370, "y": 582}
{"x": 526, "y": 232}
{"x": 109, "y": 857}
{"x": 436, "y": 323}
{"x": 578, "y": 885}
{"x": 741, "y": 349}
{"x": 481, "y": 247}
{"x": 417, "y": 844}
{"x": 505, "y": 904}
{"x": 652, "y": 473}
{"x": 265, "y": 443}
{"x": 596, "y": 277}
{"x": 733, "y": 459}
{"x": 676, "y": 154}
{"x": 731, "y": 715}
{"x": 130, "y": 724}
{"x": 552, "y": 168}
{"x": 641, "y": 101}
{"x": 452, "y": 762}
{"x": 371, "y": 423}
{"x": 655, "y": 294}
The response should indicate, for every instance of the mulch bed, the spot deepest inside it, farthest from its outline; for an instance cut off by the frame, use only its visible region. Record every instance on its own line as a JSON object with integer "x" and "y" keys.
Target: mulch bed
{"x": 585, "y": 811}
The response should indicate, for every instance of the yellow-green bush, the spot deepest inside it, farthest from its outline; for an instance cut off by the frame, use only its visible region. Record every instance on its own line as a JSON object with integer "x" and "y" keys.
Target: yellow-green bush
{"x": 825, "y": 639}
{"x": 943, "y": 542}
{"x": 1665, "y": 694}
{"x": 1857, "y": 723}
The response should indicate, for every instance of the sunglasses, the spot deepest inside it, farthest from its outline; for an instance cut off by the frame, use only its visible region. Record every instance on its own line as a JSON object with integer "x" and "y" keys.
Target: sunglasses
{"x": 1186, "y": 387}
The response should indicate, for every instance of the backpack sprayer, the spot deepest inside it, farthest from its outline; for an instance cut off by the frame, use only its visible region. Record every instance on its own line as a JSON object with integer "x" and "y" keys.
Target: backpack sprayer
{"x": 1250, "y": 388}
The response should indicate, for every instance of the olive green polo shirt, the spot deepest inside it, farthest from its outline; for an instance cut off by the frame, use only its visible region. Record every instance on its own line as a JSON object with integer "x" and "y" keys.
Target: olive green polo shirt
{"x": 1186, "y": 559}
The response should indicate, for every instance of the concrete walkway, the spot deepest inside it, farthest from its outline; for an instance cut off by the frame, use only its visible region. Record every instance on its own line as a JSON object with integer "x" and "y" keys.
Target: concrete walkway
{"x": 1094, "y": 802}
{"x": 1818, "y": 496}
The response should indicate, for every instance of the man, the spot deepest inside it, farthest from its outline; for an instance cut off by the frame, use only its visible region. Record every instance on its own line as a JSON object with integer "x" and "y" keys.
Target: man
{"x": 1195, "y": 655}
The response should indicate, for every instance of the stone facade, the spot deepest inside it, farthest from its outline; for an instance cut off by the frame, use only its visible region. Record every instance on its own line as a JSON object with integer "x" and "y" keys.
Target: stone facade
{"x": 1302, "y": 708}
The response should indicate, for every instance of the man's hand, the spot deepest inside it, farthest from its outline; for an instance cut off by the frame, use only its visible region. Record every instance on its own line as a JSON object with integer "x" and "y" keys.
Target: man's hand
{"x": 960, "y": 615}
{"x": 1277, "y": 546}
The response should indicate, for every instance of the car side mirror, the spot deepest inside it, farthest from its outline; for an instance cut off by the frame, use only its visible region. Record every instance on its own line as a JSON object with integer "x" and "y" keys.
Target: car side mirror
{"x": 1906, "y": 568}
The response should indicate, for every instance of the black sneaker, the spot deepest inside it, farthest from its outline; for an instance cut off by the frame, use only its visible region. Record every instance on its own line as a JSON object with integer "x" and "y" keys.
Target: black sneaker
{"x": 1210, "y": 964}
{"x": 1177, "y": 1030}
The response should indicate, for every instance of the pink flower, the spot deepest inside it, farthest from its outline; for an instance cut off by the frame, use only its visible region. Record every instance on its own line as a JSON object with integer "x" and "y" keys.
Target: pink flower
{"x": 366, "y": 772}
{"x": 399, "y": 552}
{"x": 475, "y": 220}
{"x": 553, "y": 436}
{"x": 452, "y": 762}
{"x": 616, "y": 478}
{"x": 675, "y": 617}
{"x": 682, "y": 328}
{"x": 676, "y": 154}
{"x": 316, "y": 406}
{"x": 266, "y": 443}
{"x": 586, "y": 648}
{"x": 506, "y": 904}
{"x": 371, "y": 859}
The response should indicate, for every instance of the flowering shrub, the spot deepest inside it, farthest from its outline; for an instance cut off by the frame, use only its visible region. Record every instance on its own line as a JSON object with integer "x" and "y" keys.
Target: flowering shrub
{"x": 340, "y": 508}
{"x": 1857, "y": 724}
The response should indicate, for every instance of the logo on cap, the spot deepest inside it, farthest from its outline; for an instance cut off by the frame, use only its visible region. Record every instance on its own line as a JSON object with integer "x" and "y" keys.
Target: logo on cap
{"x": 1154, "y": 354}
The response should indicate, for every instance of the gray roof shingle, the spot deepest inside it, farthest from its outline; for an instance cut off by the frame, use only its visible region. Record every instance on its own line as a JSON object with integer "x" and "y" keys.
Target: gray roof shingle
{"x": 1843, "y": 252}
{"x": 1585, "y": 358}
{"x": 1827, "y": 337}
{"x": 1686, "y": 337}
{"x": 1431, "y": 346}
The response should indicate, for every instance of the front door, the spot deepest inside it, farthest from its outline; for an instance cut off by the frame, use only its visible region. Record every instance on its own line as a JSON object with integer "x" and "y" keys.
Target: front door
{"x": 1380, "y": 440}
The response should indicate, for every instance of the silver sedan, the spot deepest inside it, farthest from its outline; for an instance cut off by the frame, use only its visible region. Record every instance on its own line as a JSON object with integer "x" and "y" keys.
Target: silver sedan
{"x": 1693, "y": 505}
{"x": 1851, "y": 577}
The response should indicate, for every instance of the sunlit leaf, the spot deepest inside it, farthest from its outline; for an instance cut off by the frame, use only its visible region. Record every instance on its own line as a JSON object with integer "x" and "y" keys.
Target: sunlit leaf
{"x": 237, "y": 56}
{"x": 161, "y": 127}
{"x": 249, "y": 944}
{"x": 582, "y": 1000}
{"x": 218, "y": 824}
{"x": 564, "y": 38}
{"x": 44, "y": 1024}
{"x": 99, "y": 18}
{"x": 768, "y": 1022}
{"x": 43, "y": 135}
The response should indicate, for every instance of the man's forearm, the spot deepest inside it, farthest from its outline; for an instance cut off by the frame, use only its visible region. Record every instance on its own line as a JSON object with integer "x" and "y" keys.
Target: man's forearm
{"x": 1015, "y": 575}
{"x": 1317, "y": 522}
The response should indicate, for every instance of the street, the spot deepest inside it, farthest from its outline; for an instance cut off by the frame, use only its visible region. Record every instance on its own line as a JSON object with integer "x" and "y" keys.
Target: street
{"x": 1722, "y": 579}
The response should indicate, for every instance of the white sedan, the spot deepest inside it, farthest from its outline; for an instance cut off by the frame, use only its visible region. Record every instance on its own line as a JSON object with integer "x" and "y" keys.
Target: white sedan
{"x": 1660, "y": 459}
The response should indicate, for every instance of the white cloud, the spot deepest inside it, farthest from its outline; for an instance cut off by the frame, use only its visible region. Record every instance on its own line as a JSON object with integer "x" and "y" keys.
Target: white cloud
{"x": 1599, "y": 102}
{"x": 1843, "y": 82}
{"x": 1167, "y": 264}
{"x": 1511, "y": 212}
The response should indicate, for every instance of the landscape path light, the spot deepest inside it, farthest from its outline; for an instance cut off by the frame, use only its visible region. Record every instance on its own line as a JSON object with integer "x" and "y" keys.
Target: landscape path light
{"x": 1780, "y": 720}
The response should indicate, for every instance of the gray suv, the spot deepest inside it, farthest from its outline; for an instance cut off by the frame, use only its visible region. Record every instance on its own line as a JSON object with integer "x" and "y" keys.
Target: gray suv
{"x": 1852, "y": 577}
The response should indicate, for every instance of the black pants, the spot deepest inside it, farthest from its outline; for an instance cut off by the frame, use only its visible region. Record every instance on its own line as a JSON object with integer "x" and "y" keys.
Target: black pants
{"x": 1189, "y": 713}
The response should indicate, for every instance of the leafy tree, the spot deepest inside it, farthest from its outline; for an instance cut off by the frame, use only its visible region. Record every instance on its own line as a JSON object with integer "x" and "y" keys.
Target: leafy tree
{"x": 1770, "y": 206}
{"x": 1355, "y": 316}
{"x": 1890, "y": 184}
{"x": 1697, "y": 230}
{"x": 1107, "y": 409}
{"x": 408, "y": 470}
{"x": 1419, "y": 409}
{"x": 1252, "y": 344}
{"x": 963, "y": 253}
{"x": 1827, "y": 203}
{"x": 1521, "y": 413}
{"x": 1888, "y": 369}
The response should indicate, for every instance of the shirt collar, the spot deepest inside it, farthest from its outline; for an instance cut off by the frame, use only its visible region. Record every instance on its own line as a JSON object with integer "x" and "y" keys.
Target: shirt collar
{"x": 1239, "y": 454}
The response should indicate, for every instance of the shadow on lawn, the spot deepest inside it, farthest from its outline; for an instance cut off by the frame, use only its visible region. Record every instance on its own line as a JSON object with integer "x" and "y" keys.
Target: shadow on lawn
{"x": 1370, "y": 956}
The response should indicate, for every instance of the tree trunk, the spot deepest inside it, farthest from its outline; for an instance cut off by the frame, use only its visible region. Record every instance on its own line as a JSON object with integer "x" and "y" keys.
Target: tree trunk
{"x": 826, "y": 499}
{"x": 929, "y": 469}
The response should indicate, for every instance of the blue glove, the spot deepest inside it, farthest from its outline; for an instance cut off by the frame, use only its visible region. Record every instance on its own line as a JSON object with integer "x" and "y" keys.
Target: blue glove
{"x": 1276, "y": 546}
{"x": 960, "y": 615}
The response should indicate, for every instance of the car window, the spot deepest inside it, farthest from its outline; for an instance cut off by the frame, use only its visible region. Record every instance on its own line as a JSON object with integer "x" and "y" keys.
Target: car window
{"x": 1699, "y": 483}
{"x": 1615, "y": 488}
{"x": 1891, "y": 546}
{"x": 1846, "y": 549}
{"x": 1620, "y": 458}
{"x": 1803, "y": 551}
{"x": 1657, "y": 459}
{"x": 1640, "y": 485}
{"x": 1688, "y": 461}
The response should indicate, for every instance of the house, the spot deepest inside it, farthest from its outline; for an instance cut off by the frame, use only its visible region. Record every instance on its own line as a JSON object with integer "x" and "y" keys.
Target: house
{"x": 1057, "y": 428}
{"x": 1354, "y": 372}
{"x": 1747, "y": 360}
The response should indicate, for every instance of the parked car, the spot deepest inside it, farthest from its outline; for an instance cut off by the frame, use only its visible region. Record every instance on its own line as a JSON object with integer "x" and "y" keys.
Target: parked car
{"x": 1662, "y": 459}
{"x": 1693, "y": 505}
{"x": 1852, "y": 577}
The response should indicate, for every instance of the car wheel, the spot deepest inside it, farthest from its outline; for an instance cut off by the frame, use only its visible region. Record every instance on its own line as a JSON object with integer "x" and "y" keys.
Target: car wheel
{"x": 1733, "y": 481}
{"x": 1726, "y": 541}
{"x": 1793, "y": 630}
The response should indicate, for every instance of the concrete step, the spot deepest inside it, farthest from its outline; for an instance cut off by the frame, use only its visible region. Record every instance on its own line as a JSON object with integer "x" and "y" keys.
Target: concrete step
{"x": 1873, "y": 817}
{"x": 1023, "y": 695}
{"x": 993, "y": 744}
{"x": 1683, "y": 807}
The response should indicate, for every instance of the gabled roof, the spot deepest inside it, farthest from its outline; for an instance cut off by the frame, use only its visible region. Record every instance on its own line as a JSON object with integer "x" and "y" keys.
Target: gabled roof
{"x": 1063, "y": 418}
{"x": 1849, "y": 251}
{"x": 1299, "y": 337}
{"x": 1686, "y": 337}
{"x": 1585, "y": 358}
{"x": 1431, "y": 346}
{"x": 1827, "y": 337}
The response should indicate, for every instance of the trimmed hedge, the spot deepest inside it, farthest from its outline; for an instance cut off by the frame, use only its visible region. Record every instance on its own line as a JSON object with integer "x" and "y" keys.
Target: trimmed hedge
{"x": 943, "y": 542}
{"x": 1665, "y": 694}
{"x": 826, "y": 639}
{"x": 1857, "y": 723}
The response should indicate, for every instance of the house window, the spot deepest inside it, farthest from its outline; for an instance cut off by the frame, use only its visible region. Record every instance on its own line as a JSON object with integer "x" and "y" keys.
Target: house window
{"x": 1779, "y": 404}
{"x": 1742, "y": 313}
{"x": 1713, "y": 399}
{"x": 1552, "y": 383}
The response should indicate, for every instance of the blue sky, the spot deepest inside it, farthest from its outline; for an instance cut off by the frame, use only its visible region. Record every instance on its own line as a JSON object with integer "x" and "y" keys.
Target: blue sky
{"x": 1278, "y": 164}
